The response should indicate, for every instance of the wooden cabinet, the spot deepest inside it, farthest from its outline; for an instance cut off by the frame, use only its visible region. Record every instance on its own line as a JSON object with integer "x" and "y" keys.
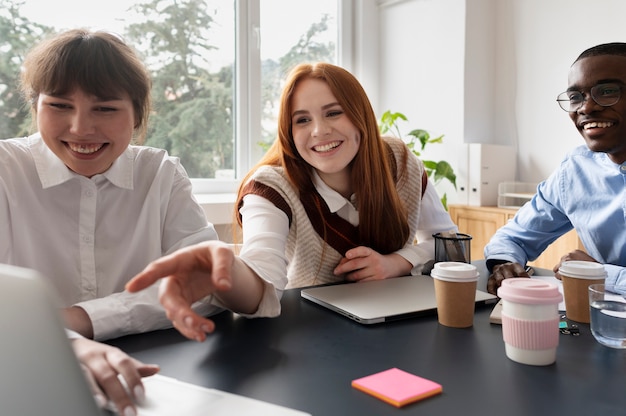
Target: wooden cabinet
{"x": 482, "y": 222}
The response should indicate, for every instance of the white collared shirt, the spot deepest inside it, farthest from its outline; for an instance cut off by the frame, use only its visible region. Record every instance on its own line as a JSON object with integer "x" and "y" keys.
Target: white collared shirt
{"x": 89, "y": 236}
{"x": 336, "y": 202}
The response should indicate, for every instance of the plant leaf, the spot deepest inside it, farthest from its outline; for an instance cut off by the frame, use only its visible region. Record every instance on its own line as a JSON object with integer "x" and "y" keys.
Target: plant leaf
{"x": 445, "y": 171}
{"x": 435, "y": 170}
{"x": 436, "y": 139}
{"x": 422, "y": 135}
{"x": 389, "y": 121}
{"x": 429, "y": 164}
{"x": 444, "y": 201}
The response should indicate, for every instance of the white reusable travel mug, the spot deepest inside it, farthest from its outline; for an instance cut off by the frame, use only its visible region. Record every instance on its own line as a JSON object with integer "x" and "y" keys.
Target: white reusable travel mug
{"x": 530, "y": 320}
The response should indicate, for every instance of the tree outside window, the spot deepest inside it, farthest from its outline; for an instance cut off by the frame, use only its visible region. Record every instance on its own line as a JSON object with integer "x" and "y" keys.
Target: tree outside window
{"x": 188, "y": 46}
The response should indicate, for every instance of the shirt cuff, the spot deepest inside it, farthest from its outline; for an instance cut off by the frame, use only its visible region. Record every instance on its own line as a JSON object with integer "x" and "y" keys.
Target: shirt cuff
{"x": 491, "y": 263}
{"x": 421, "y": 258}
{"x": 616, "y": 275}
{"x": 125, "y": 313}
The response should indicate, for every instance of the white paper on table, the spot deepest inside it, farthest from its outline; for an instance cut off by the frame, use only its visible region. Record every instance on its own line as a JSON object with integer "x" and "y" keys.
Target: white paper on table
{"x": 166, "y": 396}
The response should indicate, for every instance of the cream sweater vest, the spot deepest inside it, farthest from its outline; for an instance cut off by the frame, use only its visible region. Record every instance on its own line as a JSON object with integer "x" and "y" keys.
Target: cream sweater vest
{"x": 311, "y": 259}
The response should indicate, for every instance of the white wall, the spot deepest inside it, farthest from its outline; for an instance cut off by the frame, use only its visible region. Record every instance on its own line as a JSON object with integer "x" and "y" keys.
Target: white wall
{"x": 421, "y": 70}
{"x": 489, "y": 71}
{"x": 544, "y": 38}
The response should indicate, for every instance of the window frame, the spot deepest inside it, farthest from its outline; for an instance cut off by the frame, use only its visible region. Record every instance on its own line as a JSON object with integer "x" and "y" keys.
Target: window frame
{"x": 247, "y": 88}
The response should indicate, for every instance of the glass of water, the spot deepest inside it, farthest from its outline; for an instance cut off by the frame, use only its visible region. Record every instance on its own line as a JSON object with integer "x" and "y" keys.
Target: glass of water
{"x": 607, "y": 305}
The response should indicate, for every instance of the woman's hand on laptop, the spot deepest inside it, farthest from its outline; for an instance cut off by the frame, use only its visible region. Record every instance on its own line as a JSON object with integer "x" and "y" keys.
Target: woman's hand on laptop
{"x": 113, "y": 376}
{"x": 363, "y": 263}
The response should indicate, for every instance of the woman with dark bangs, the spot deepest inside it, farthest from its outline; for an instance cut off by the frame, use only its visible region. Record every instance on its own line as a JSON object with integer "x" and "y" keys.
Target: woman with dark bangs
{"x": 87, "y": 209}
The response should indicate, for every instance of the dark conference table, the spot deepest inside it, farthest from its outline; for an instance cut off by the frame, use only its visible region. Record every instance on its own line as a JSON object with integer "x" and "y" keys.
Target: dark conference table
{"x": 307, "y": 357}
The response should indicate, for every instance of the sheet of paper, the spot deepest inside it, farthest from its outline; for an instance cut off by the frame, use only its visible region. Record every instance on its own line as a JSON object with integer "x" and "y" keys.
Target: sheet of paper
{"x": 166, "y": 396}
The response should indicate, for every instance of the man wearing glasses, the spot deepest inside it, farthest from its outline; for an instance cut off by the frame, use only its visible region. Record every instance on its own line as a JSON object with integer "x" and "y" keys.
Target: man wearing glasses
{"x": 588, "y": 191}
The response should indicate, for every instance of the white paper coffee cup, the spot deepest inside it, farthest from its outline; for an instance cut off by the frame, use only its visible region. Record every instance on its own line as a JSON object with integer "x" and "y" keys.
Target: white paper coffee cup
{"x": 455, "y": 290}
{"x": 577, "y": 276}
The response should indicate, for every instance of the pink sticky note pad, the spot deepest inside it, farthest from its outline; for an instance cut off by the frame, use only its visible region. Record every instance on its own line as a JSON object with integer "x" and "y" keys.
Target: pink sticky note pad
{"x": 397, "y": 387}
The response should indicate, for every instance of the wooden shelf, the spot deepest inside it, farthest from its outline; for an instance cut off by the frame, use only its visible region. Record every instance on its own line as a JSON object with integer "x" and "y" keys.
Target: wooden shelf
{"x": 483, "y": 222}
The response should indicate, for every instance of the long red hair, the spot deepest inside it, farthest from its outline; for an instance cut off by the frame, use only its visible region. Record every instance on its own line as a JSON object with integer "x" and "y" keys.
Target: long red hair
{"x": 383, "y": 223}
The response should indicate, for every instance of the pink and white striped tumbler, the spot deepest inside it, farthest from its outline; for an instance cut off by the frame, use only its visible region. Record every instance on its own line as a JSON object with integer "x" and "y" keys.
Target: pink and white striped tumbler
{"x": 530, "y": 320}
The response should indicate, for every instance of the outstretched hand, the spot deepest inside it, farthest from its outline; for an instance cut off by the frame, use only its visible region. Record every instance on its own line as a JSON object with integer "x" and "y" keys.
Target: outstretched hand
{"x": 188, "y": 275}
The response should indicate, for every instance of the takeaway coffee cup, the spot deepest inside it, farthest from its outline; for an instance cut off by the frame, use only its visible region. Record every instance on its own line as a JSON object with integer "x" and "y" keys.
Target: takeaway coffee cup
{"x": 455, "y": 291}
{"x": 530, "y": 320}
{"x": 577, "y": 276}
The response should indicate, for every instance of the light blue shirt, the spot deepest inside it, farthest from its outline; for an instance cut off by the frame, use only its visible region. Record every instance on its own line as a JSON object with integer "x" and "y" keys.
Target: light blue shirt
{"x": 587, "y": 192}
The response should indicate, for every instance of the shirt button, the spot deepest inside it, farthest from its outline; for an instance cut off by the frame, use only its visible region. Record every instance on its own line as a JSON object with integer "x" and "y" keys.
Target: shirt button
{"x": 89, "y": 193}
{"x": 622, "y": 168}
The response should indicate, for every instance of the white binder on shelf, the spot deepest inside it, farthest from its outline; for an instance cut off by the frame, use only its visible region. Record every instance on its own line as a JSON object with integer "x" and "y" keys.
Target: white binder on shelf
{"x": 487, "y": 166}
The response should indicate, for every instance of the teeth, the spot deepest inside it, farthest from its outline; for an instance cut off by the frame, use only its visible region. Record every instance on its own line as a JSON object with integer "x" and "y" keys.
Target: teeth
{"x": 326, "y": 147}
{"x": 595, "y": 124}
{"x": 85, "y": 148}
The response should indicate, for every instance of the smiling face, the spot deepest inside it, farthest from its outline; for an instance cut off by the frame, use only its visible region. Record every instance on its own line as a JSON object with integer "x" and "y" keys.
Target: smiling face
{"x": 87, "y": 133}
{"x": 323, "y": 134}
{"x": 603, "y": 128}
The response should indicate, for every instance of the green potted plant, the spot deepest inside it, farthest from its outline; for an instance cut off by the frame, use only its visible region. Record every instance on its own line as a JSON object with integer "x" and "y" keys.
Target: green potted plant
{"x": 416, "y": 140}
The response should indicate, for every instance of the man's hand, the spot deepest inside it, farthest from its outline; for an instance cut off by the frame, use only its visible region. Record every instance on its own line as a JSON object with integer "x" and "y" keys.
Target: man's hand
{"x": 578, "y": 255}
{"x": 504, "y": 271}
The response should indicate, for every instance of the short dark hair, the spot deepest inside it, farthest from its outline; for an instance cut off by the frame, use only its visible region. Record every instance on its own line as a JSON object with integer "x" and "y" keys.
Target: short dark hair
{"x": 613, "y": 48}
{"x": 99, "y": 63}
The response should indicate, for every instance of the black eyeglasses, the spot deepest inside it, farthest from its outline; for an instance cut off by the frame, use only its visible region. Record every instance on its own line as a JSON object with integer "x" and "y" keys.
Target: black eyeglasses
{"x": 603, "y": 94}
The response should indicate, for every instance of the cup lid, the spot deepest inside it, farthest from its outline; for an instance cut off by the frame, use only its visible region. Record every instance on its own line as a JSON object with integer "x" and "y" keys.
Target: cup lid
{"x": 529, "y": 291}
{"x": 582, "y": 269}
{"x": 455, "y": 271}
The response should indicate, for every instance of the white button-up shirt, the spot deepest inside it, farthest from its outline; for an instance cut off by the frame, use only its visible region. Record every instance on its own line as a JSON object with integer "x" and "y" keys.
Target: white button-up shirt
{"x": 89, "y": 236}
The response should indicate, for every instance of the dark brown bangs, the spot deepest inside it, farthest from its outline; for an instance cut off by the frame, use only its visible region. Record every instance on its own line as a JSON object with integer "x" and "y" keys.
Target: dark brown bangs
{"x": 86, "y": 67}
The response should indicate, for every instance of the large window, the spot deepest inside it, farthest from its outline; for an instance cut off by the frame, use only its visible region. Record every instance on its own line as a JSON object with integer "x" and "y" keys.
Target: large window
{"x": 217, "y": 67}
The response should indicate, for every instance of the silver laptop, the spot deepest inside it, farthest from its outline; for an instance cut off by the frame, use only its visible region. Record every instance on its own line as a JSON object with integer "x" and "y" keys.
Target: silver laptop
{"x": 382, "y": 300}
{"x": 40, "y": 375}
